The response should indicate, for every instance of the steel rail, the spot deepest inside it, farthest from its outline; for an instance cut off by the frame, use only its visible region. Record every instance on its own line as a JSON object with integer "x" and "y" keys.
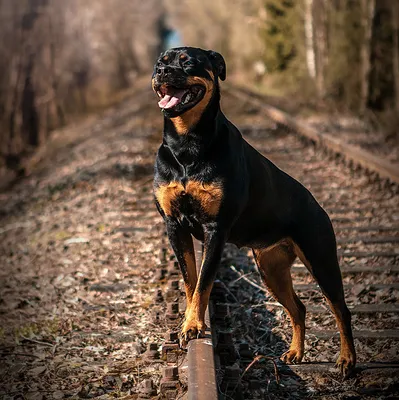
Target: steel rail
{"x": 384, "y": 169}
{"x": 200, "y": 358}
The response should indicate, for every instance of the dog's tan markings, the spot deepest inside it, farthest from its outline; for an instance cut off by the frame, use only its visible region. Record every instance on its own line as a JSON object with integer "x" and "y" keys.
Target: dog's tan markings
{"x": 183, "y": 57}
{"x": 189, "y": 259}
{"x": 209, "y": 195}
{"x": 211, "y": 74}
{"x": 153, "y": 84}
{"x": 203, "y": 257}
{"x": 195, "y": 318}
{"x": 165, "y": 58}
{"x": 347, "y": 357}
{"x": 197, "y": 80}
{"x": 302, "y": 257}
{"x": 184, "y": 122}
{"x": 274, "y": 263}
{"x": 166, "y": 194}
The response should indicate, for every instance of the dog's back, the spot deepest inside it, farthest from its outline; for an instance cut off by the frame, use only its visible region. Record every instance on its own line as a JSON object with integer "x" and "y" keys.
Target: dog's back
{"x": 210, "y": 183}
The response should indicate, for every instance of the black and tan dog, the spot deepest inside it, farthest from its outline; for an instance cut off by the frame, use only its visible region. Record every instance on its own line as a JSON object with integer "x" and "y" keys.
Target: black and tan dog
{"x": 210, "y": 183}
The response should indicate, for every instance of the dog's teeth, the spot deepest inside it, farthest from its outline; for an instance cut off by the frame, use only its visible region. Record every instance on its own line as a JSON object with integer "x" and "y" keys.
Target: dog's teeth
{"x": 187, "y": 98}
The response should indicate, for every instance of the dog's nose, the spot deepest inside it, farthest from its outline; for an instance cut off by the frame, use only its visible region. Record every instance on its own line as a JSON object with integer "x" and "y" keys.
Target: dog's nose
{"x": 166, "y": 70}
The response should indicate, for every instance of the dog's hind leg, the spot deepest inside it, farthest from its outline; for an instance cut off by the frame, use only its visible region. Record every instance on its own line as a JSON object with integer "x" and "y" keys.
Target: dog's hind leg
{"x": 274, "y": 265}
{"x": 318, "y": 253}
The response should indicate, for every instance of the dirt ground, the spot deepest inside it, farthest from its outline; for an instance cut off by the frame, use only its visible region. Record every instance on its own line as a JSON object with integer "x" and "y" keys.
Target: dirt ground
{"x": 79, "y": 248}
{"x": 80, "y": 243}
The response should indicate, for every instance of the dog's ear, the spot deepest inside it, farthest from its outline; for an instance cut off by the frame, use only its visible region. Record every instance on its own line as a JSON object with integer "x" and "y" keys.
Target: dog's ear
{"x": 218, "y": 64}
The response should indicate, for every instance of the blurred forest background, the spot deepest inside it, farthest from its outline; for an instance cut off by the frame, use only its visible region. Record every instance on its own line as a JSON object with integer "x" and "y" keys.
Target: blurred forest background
{"x": 62, "y": 58}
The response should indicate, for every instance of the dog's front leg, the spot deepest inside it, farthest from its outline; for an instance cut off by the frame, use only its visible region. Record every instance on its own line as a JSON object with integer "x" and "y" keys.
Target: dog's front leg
{"x": 214, "y": 240}
{"x": 182, "y": 244}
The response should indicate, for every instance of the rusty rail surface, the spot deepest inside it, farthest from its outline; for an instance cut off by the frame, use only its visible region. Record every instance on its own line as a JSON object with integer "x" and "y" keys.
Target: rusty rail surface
{"x": 201, "y": 363}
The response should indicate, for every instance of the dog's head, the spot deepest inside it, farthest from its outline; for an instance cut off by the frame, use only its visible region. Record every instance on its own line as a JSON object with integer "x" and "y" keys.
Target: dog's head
{"x": 185, "y": 79}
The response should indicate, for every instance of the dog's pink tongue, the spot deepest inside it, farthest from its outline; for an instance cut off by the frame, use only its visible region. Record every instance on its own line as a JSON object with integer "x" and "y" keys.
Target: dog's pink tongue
{"x": 169, "y": 101}
{"x": 164, "y": 101}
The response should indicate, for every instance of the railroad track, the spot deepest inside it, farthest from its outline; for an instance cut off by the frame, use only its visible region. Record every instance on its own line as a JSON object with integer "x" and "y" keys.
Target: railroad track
{"x": 144, "y": 293}
{"x": 363, "y": 214}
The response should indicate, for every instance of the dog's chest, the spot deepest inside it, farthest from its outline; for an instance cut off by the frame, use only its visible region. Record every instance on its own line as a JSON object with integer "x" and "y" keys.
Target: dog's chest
{"x": 177, "y": 198}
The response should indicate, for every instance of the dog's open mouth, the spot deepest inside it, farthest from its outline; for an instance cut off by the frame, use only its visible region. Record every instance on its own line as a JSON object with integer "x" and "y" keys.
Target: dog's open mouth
{"x": 173, "y": 97}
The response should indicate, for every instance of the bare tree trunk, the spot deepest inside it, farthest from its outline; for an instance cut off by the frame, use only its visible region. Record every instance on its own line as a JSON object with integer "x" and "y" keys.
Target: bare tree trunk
{"x": 368, "y": 9}
{"x": 321, "y": 45}
{"x": 54, "y": 82}
{"x": 30, "y": 116}
{"x": 395, "y": 52}
{"x": 309, "y": 39}
{"x": 14, "y": 92}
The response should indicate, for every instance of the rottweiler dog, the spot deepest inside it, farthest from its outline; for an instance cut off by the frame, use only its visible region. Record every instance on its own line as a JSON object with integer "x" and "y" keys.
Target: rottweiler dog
{"x": 211, "y": 184}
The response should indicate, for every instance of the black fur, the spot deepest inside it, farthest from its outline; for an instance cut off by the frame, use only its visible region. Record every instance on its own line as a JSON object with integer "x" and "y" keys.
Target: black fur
{"x": 261, "y": 204}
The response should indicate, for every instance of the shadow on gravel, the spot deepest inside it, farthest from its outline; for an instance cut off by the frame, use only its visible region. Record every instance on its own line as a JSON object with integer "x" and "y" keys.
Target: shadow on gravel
{"x": 254, "y": 331}
{"x": 131, "y": 172}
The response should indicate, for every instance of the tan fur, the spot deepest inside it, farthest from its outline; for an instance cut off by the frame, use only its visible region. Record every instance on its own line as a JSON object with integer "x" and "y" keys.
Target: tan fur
{"x": 195, "y": 317}
{"x": 166, "y": 194}
{"x": 302, "y": 257}
{"x": 184, "y": 122}
{"x": 200, "y": 303}
{"x": 347, "y": 350}
{"x": 189, "y": 259}
{"x": 274, "y": 263}
{"x": 209, "y": 195}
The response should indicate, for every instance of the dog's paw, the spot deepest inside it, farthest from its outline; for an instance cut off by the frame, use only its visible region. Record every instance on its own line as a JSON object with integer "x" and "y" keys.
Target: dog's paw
{"x": 346, "y": 364}
{"x": 292, "y": 356}
{"x": 192, "y": 329}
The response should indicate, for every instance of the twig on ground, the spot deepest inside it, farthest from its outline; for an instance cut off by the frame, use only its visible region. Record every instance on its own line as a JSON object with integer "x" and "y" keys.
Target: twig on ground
{"x": 9, "y": 353}
{"x": 229, "y": 292}
{"x": 254, "y": 284}
{"x": 239, "y": 278}
{"x": 257, "y": 359}
{"x": 38, "y": 342}
{"x": 15, "y": 226}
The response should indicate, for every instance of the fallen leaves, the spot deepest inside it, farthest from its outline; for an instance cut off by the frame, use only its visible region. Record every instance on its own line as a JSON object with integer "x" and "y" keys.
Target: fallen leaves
{"x": 78, "y": 261}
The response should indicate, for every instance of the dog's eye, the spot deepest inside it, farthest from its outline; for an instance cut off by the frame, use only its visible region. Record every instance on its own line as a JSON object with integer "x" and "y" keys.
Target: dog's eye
{"x": 189, "y": 64}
